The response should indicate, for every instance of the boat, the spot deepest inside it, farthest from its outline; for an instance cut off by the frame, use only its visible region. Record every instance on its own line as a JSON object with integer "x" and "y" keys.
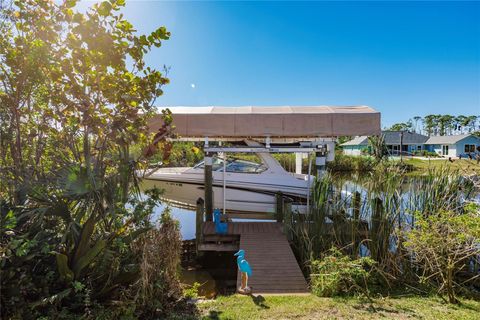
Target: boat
{"x": 249, "y": 187}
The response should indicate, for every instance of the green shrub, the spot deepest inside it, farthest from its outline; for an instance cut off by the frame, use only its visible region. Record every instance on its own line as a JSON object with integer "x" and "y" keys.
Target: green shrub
{"x": 338, "y": 274}
{"x": 345, "y": 163}
{"x": 192, "y": 291}
{"x": 425, "y": 153}
{"x": 442, "y": 245}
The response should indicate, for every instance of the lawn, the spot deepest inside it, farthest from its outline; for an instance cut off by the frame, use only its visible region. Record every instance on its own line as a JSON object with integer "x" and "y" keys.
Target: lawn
{"x": 312, "y": 307}
{"x": 464, "y": 165}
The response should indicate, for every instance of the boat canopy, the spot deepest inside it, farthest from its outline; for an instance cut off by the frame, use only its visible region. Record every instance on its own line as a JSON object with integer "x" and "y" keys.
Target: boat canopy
{"x": 281, "y": 122}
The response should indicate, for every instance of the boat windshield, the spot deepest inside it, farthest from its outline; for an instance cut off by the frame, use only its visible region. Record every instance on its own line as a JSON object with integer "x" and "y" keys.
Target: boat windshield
{"x": 234, "y": 165}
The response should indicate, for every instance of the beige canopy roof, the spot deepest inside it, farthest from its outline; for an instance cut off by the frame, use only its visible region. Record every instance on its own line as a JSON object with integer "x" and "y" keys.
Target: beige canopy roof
{"x": 288, "y": 121}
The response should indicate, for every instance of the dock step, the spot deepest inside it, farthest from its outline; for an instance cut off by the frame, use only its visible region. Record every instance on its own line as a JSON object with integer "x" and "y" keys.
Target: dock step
{"x": 221, "y": 238}
{"x": 218, "y": 247}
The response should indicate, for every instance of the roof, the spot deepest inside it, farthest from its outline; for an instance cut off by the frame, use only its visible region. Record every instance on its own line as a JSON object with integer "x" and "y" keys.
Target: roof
{"x": 272, "y": 110}
{"x": 448, "y": 139}
{"x": 357, "y": 141}
{"x": 391, "y": 137}
{"x": 283, "y": 121}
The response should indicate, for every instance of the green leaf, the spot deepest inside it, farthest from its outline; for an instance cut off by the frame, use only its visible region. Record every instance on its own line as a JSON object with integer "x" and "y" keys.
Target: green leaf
{"x": 10, "y": 220}
{"x": 50, "y": 300}
{"x": 70, "y": 3}
{"x": 88, "y": 257}
{"x": 66, "y": 273}
{"x": 83, "y": 243}
{"x": 104, "y": 8}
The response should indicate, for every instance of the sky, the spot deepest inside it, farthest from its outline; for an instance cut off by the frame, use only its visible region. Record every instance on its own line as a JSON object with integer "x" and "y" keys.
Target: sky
{"x": 402, "y": 58}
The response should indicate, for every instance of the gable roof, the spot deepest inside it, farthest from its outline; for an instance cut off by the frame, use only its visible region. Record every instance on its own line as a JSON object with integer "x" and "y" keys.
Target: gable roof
{"x": 391, "y": 137}
{"x": 448, "y": 139}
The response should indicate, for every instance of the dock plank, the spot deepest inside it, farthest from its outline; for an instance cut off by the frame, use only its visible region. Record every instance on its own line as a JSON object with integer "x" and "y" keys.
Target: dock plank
{"x": 274, "y": 267}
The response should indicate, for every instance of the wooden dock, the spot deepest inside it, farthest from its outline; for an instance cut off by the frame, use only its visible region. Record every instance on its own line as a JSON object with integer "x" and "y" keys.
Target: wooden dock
{"x": 274, "y": 267}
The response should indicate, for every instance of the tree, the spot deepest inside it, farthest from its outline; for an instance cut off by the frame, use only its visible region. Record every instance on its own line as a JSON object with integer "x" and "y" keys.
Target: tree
{"x": 400, "y": 127}
{"x": 470, "y": 123}
{"x": 429, "y": 124}
{"x": 445, "y": 123}
{"x": 416, "y": 119}
{"x": 460, "y": 123}
{"x": 75, "y": 94}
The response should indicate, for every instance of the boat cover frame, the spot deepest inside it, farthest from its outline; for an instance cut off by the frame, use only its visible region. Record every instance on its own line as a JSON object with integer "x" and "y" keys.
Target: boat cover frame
{"x": 260, "y": 122}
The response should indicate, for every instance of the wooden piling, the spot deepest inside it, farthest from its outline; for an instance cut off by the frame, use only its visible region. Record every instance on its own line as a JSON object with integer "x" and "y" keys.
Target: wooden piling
{"x": 355, "y": 221}
{"x": 208, "y": 188}
{"x": 287, "y": 221}
{"x": 199, "y": 222}
{"x": 279, "y": 206}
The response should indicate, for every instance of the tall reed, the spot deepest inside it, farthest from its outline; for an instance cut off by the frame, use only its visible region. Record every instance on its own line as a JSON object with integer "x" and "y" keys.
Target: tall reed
{"x": 368, "y": 217}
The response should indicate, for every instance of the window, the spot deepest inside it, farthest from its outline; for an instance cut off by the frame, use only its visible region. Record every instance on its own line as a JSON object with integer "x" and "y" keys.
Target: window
{"x": 444, "y": 150}
{"x": 217, "y": 163}
{"x": 242, "y": 166}
{"x": 469, "y": 148}
{"x": 234, "y": 165}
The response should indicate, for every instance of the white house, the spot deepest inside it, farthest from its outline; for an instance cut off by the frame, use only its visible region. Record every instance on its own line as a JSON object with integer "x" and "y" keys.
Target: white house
{"x": 454, "y": 146}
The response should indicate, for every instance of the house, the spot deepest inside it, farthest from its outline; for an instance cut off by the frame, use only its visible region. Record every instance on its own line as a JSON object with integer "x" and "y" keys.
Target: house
{"x": 356, "y": 146}
{"x": 454, "y": 146}
{"x": 409, "y": 143}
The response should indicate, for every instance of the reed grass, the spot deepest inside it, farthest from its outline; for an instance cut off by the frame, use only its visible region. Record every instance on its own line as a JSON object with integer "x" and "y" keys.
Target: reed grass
{"x": 368, "y": 217}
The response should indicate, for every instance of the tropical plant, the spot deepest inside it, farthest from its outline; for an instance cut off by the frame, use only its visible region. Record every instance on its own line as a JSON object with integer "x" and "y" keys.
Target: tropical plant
{"x": 75, "y": 94}
{"x": 378, "y": 147}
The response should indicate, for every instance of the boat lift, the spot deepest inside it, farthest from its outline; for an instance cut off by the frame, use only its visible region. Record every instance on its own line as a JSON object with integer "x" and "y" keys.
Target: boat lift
{"x": 312, "y": 128}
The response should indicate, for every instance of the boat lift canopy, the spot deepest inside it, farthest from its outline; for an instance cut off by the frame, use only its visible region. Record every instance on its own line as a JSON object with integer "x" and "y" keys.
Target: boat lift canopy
{"x": 297, "y": 122}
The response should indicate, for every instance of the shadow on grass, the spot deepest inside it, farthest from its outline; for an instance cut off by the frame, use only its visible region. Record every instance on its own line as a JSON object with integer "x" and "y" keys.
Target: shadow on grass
{"x": 259, "y": 300}
{"x": 214, "y": 315}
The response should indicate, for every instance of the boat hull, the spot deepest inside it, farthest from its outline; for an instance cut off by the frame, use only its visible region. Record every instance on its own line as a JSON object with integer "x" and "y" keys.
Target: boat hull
{"x": 238, "y": 200}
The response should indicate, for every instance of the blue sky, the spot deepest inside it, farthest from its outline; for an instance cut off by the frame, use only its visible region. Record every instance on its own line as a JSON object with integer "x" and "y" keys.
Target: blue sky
{"x": 402, "y": 58}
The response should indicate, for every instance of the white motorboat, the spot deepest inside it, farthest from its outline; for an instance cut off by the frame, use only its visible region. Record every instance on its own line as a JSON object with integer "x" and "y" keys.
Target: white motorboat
{"x": 249, "y": 186}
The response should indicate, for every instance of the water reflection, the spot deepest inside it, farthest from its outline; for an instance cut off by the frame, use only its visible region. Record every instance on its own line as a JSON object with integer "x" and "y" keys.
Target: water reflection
{"x": 185, "y": 217}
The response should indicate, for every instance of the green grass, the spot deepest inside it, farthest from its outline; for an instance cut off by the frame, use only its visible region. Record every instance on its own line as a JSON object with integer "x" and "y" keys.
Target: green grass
{"x": 464, "y": 165}
{"x": 313, "y": 307}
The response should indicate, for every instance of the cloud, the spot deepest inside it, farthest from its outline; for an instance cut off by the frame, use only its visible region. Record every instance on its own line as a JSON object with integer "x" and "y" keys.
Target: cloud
{"x": 192, "y": 85}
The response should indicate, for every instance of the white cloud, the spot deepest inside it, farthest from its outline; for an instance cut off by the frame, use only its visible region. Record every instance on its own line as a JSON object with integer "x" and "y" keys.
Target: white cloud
{"x": 192, "y": 85}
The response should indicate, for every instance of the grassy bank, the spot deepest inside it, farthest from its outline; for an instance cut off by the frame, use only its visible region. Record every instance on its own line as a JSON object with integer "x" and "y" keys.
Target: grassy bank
{"x": 463, "y": 165}
{"x": 414, "y": 166}
{"x": 312, "y": 307}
